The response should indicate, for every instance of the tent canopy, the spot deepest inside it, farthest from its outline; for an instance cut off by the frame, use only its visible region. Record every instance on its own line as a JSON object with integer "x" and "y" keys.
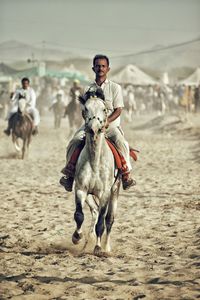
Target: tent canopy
{"x": 67, "y": 74}
{"x": 6, "y": 70}
{"x": 193, "y": 79}
{"x": 133, "y": 75}
{"x": 33, "y": 72}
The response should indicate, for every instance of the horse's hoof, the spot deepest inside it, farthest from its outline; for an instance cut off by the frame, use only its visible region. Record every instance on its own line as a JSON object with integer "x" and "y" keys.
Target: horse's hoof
{"x": 76, "y": 237}
{"x": 98, "y": 251}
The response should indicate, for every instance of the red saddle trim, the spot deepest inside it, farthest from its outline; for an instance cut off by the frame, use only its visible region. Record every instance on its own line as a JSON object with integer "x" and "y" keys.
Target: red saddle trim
{"x": 119, "y": 159}
{"x": 133, "y": 154}
{"x": 76, "y": 154}
{"x": 116, "y": 154}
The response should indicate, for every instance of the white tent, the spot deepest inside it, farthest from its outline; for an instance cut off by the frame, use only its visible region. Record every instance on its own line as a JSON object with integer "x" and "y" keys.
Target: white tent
{"x": 133, "y": 75}
{"x": 193, "y": 79}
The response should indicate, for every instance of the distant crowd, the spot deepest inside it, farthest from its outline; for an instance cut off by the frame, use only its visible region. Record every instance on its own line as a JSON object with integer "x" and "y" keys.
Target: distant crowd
{"x": 161, "y": 98}
{"x": 137, "y": 99}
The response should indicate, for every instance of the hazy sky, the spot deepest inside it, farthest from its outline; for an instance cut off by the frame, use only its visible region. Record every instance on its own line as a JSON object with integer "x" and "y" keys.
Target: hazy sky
{"x": 109, "y": 26}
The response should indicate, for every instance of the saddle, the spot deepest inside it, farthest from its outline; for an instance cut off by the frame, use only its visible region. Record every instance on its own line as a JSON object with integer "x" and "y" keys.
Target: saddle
{"x": 16, "y": 115}
{"x": 119, "y": 159}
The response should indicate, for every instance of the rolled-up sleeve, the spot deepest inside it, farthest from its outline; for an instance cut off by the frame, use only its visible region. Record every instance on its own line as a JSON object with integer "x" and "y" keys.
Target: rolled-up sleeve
{"x": 117, "y": 96}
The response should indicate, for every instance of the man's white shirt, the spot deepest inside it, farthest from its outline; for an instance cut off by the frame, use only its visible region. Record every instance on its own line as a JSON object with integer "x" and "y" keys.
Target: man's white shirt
{"x": 113, "y": 97}
{"x": 29, "y": 95}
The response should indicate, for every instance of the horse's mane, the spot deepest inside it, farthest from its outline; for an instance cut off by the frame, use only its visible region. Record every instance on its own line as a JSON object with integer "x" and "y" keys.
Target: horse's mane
{"x": 92, "y": 92}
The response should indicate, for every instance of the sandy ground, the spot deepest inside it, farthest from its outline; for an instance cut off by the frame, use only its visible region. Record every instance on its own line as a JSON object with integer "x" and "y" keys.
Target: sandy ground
{"x": 155, "y": 238}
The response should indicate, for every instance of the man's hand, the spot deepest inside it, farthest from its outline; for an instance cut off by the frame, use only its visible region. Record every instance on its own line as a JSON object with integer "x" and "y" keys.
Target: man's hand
{"x": 107, "y": 124}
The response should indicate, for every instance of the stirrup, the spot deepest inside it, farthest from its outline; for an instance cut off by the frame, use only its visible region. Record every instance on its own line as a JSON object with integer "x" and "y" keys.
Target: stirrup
{"x": 128, "y": 183}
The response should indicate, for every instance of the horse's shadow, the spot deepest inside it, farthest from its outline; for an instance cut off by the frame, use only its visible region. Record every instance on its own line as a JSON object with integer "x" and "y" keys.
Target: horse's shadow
{"x": 10, "y": 156}
{"x": 84, "y": 248}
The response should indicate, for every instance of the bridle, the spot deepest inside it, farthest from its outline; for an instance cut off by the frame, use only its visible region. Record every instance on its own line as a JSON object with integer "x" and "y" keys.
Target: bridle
{"x": 87, "y": 120}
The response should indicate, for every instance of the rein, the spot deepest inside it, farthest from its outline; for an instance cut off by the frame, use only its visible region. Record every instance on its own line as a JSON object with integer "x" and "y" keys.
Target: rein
{"x": 87, "y": 120}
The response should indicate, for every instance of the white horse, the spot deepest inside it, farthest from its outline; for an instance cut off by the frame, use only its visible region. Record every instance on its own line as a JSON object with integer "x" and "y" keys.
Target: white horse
{"x": 95, "y": 174}
{"x": 130, "y": 105}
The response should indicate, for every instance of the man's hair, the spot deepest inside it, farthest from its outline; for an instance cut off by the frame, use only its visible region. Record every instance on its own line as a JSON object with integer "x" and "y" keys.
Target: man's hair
{"x": 25, "y": 79}
{"x": 100, "y": 56}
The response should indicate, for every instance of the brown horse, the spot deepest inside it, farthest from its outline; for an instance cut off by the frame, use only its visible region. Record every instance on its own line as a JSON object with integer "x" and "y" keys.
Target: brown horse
{"x": 22, "y": 126}
{"x": 58, "y": 110}
{"x": 73, "y": 111}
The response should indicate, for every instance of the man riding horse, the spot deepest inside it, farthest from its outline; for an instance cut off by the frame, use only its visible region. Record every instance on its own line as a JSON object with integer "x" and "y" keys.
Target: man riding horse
{"x": 28, "y": 94}
{"x": 114, "y": 104}
{"x": 73, "y": 108}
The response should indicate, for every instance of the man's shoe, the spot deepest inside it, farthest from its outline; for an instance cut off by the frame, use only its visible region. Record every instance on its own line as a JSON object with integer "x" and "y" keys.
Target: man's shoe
{"x": 127, "y": 182}
{"x": 69, "y": 170}
{"x": 67, "y": 182}
{"x": 7, "y": 132}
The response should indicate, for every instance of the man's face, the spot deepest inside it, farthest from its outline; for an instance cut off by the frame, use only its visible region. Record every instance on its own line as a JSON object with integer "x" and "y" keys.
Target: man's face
{"x": 25, "y": 84}
{"x": 101, "y": 67}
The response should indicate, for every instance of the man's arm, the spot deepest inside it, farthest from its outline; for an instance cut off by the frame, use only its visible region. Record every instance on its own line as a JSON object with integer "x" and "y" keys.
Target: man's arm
{"x": 32, "y": 101}
{"x": 116, "y": 113}
{"x": 15, "y": 96}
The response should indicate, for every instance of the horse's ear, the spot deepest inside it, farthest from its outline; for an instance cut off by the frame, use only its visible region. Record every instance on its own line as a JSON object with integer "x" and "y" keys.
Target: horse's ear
{"x": 100, "y": 94}
{"x": 82, "y": 99}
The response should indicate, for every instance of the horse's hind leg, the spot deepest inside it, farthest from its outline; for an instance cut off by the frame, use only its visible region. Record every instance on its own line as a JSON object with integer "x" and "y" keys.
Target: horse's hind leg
{"x": 110, "y": 216}
{"x": 94, "y": 212}
{"x": 80, "y": 198}
{"x": 28, "y": 143}
{"x": 109, "y": 222}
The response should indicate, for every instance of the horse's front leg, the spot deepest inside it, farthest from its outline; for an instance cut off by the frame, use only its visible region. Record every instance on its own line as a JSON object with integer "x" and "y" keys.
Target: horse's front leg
{"x": 23, "y": 148}
{"x": 100, "y": 226}
{"x": 80, "y": 197}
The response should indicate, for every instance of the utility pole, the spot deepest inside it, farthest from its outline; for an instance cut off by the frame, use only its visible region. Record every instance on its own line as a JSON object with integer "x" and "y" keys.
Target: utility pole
{"x": 43, "y": 50}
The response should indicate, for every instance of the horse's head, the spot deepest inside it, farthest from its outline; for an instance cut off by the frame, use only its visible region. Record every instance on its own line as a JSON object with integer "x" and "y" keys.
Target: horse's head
{"x": 94, "y": 111}
{"x": 21, "y": 104}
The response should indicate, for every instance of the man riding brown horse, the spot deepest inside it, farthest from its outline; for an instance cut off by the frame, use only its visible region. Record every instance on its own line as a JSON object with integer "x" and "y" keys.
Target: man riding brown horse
{"x": 28, "y": 94}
